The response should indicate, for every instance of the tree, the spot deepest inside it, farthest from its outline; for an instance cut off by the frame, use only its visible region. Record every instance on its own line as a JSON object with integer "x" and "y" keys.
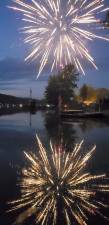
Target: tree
{"x": 102, "y": 93}
{"x": 88, "y": 94}
{"x": 106, "y": 21}
{"x": 62, "y": 85}
{"x": 84, "y": 92}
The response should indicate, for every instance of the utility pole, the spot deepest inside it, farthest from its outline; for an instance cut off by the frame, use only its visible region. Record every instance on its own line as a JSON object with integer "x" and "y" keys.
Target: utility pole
{"x": 30, "y": 94}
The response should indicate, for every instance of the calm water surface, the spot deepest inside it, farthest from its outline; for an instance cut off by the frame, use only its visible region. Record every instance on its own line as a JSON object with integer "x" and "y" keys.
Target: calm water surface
{"x": 17, "y": 134}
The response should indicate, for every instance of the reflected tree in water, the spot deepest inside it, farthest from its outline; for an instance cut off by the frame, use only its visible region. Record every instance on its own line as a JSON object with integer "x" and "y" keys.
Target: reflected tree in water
{"x": 59, "y": 132}
{"x": 87, "y": 125}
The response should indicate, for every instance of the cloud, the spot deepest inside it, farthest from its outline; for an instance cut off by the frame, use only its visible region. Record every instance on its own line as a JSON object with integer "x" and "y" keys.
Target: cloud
{"x": 22, "y": 88}
{"x": 17, "y": 77}
{"x": 13, "y": 68}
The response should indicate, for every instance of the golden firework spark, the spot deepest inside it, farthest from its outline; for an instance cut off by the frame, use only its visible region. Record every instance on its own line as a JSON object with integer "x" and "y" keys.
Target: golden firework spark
{"x": 58, "y": 30}
{"x": 58, "y": 177}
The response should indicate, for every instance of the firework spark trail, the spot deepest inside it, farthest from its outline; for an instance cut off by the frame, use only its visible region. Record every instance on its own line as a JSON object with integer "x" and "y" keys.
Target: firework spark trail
{"x": 55, "y": 177}
{"x": 58, "y": 31}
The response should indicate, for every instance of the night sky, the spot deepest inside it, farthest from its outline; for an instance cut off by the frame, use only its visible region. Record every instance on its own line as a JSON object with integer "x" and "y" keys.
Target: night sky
{"x": 17, "y": 77}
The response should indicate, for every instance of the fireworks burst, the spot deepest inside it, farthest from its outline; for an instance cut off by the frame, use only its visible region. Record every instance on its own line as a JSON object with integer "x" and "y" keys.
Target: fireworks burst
{"x": 55, "y": 177}
{"x": 58, "y": 30}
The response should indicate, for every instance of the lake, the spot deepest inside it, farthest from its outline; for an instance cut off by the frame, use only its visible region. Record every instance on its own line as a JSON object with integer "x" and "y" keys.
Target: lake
{"x": 17, "y": 134}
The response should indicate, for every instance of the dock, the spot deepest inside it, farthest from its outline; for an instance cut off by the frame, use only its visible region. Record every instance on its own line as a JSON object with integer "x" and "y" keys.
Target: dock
{"x": 81, "y": 114}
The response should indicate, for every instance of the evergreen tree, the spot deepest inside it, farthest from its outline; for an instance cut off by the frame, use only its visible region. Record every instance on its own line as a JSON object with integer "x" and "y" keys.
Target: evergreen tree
{"x": 62, "y": 85}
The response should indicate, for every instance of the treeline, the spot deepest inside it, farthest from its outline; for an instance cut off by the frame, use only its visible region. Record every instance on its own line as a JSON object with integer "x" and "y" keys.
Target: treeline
{"x": 62, "y": 89}
{"x": 8, "y": 100}
{"x": 88, "y": 94}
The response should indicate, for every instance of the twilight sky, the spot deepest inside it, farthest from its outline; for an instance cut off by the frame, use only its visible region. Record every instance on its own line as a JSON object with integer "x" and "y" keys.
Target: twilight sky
{"x": 17, "y": 77}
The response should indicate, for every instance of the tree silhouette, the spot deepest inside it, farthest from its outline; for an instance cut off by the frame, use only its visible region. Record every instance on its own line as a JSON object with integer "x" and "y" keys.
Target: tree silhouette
{"x": 62, "y": 85}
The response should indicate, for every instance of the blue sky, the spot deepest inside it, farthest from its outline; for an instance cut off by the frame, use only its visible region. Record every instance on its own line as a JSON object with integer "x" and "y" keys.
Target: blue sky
{"x": 17, "y": 77}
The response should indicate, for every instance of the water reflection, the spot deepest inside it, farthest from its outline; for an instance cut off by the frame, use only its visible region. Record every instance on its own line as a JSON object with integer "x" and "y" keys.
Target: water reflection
{"x": 56, "y": 184}
{"x": 71, "y": 131}
{"x": 60, "y": 133}
{"x": 17, "y": 134}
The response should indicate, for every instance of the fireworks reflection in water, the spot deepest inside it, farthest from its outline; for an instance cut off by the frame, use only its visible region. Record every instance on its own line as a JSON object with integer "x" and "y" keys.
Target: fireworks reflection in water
{"x": 57, "y": 176}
